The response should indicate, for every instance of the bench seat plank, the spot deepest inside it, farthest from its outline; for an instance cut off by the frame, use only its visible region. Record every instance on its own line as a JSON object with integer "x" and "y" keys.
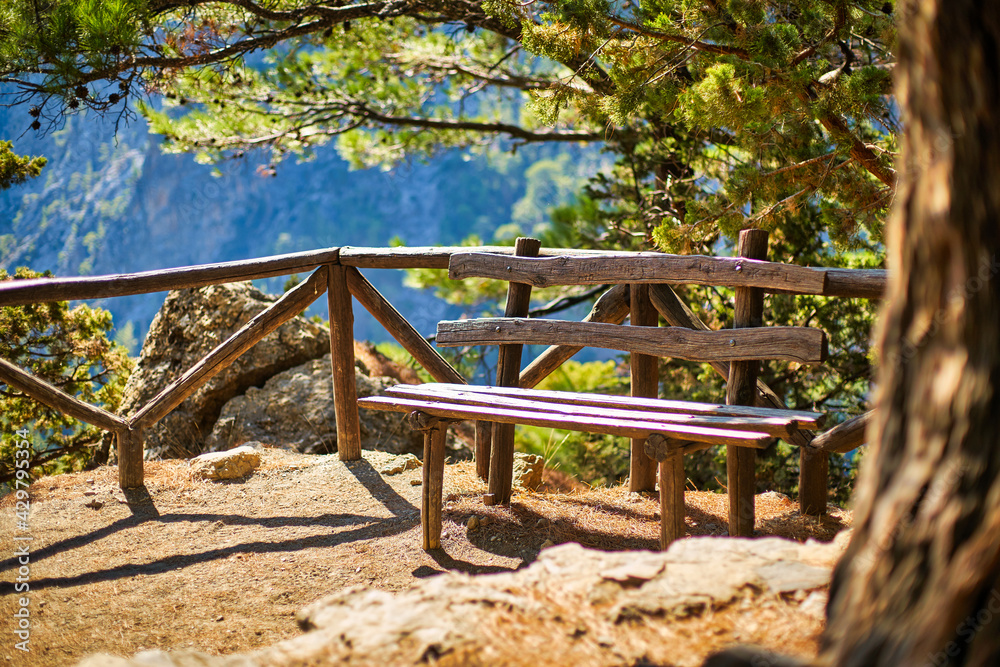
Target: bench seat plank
{"x": 629, "y": 428}
{"x": 779, "y": 427}
{"x": 802, "y": 344}
{"x": 803, "y": 420}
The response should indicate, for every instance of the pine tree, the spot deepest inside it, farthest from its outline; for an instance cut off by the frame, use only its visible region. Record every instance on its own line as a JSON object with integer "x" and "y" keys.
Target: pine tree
{"x": 69, "y": 348}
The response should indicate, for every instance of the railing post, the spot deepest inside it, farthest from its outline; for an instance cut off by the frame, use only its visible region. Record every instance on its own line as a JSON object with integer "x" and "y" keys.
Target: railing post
{"x": 742, "y": 390}
{"x": 509, "y": 375}
{"x": 645, "y": 376}
{"x": 345, "y": 392}
{"x": 129, "y": 444}
{"x": 814, "y": 471}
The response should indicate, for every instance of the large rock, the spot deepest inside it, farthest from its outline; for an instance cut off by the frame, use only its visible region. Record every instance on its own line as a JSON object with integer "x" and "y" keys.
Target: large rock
{"x": 190, "y": 324}
{"x": 294, "y": 410}
{"x": 586, "y": 607}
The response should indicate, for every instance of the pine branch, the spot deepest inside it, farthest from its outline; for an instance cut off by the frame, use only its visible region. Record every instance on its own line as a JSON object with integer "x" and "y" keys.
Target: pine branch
{"x": 696, "y": 44}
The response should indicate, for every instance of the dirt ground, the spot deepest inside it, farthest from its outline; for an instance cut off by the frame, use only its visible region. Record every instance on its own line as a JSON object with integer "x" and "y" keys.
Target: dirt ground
{"x": 223, "y": 567}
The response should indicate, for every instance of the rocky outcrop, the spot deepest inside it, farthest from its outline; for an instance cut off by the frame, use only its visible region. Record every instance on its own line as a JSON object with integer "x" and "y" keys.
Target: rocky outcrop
{"x": 573, "y": 606}
{"x": 294, "y": 410}
{"x": 190, "y": 324}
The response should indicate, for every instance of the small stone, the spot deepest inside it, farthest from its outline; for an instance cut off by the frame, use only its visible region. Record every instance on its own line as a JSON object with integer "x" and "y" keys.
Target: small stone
{"x": 89, "y": 492}
{"x": 231, "y": 464}
{"x": 220, "y": 619}
{"x": 541, "y": 523}
{"x": 473, "y": 523}
{"x": 606, "y": 641}
{"x": 400, "y": 464}
{"x": 527, "y": 471}
{"x": 486, "y": 520}
{"x": 90, "y": 481}
{"x": 547, "y": 543}
{"x": 416, "y": 482}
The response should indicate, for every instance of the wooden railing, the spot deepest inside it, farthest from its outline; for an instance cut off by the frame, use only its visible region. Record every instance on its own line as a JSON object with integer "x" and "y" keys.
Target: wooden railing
{"x": 335, "y": 271}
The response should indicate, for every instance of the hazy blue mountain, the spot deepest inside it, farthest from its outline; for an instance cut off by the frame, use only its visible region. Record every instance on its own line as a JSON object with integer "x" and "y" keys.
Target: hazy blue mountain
{"x": 110, "y": 203}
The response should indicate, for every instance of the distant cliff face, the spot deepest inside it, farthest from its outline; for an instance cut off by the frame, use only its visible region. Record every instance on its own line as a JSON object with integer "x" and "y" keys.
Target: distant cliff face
{"x": 110, "y": 203}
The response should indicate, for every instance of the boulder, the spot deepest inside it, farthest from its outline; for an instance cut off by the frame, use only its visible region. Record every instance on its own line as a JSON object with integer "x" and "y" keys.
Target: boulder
{"x": 232, "y": 464}
{"x": 190, "y": 324}
{"x": 294, "y": 410}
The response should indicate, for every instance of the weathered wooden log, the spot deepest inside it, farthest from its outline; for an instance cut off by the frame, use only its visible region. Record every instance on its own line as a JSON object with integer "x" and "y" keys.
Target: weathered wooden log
{"x": 778, "y": 427}
{"x": 41, "y": 290}
{"x": 288, "y": 306}
{"x": 641, "y": 268}
{"x": 612, "y": 307}
{"x": 53, "y": 397}
{"x": 400, "y": 328}
{"x": 801, "y": 419}
{"x": 645, "y": 382}
{"x": 628, "y": 428}
{"x": 435, "y": 431}
{"x": 844, "y": 437}
{"x": 345, "y": 393}
{"x": 801, "y": 344}
{"x": 129, "y": 444}
{"x": 669, "y": 454}
{"x": 508, "y": 375}
{"x": 742, "y": 390}
{"x": 856, "y": 283}
{"x": 430, "y": 257}
{"x": 814, "y": 474}
{"x": 484, "y": 445}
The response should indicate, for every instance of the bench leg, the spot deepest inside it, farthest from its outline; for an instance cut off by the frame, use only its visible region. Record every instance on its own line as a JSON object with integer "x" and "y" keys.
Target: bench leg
{"x": 672, "y": 481}
{"x": 742, "y": 481}
{"x": 430, "y": 511}
{"x": 484, "y": 440}
{"x": 814, "y": 470}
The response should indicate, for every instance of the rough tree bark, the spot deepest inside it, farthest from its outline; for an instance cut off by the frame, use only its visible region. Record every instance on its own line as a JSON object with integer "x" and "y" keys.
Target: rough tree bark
{"x": 920, "y": 581}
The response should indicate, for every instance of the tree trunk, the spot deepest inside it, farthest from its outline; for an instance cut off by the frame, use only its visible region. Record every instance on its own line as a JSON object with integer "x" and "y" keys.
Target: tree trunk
{"x": 920, "y": 582}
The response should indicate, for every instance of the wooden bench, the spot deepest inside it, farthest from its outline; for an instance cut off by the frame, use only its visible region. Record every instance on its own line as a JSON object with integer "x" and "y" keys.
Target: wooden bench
{"x": 669, "y": 428}
{"x": 661, "y": 430}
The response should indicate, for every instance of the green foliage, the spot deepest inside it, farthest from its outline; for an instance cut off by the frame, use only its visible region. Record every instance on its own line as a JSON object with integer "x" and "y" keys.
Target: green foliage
{"x": 595, "y": 459}
{"x": 398, "y": 355}
{"x": 70, "y": 349}
{"x": 16, "y": 169}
